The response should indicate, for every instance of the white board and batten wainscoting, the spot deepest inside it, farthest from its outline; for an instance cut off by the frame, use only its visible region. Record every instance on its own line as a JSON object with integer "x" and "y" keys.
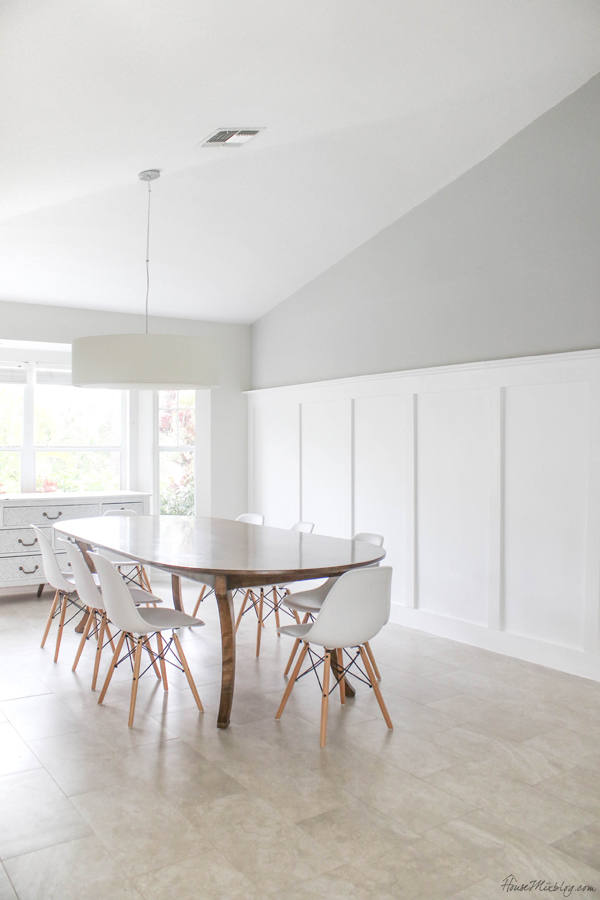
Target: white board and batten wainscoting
{"x": 484, "y": 479}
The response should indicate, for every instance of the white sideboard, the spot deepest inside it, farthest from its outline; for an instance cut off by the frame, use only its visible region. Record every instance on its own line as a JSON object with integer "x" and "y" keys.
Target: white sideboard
{"x": 20, "y": 559}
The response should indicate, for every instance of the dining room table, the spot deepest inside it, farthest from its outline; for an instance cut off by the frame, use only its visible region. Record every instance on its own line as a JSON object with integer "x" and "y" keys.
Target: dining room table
{"x": 225, "y": 555}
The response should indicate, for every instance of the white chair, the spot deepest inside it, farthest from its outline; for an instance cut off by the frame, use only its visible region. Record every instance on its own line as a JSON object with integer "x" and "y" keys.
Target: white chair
{"x": 269, "y": 596}
{"x": 354, "y": 611}
{"x": 310, "y": 602}
{"x": 206, "y": 590}
{"x": 137, "y": 626}
{"x": 131, "y": 570}
{"x": 251, "y": 519}
{"x": 91, "y": 595}
{"x": 65, "y": 595}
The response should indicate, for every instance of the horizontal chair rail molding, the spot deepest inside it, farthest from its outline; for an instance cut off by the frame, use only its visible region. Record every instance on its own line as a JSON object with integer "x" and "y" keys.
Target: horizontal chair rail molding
{"x": 484, "y": 478}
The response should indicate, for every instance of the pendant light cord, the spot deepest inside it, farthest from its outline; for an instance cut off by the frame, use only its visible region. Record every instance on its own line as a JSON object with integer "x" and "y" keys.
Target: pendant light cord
{"x": 148, "y": 256}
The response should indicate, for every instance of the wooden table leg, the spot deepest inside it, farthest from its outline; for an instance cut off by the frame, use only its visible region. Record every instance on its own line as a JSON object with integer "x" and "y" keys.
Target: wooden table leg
{"x": 348, "y": 689}
{"x": 227, "y": 619}
{"x": 177, "y": 597}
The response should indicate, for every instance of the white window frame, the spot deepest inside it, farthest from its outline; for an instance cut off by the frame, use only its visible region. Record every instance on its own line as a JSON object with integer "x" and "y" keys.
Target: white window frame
{"x": 28, "y": 449}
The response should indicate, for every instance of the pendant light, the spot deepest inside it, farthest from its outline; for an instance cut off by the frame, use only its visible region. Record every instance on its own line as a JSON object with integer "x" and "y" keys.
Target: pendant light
{"x": 145, "y": 361}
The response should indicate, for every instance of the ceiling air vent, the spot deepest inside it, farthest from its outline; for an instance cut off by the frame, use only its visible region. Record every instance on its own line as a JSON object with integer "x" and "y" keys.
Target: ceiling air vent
{"x": 230, "y": 137}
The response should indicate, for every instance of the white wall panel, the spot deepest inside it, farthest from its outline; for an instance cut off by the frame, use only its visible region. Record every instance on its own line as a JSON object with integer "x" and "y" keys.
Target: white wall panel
{"x": 454, "y": 447}
{"x": 326, "y": 466}
{"x": 382, "y": 432}
{"x": 546, "y": 453}
{"x": 484, "y": 480}
{"x": 277, "y": 463}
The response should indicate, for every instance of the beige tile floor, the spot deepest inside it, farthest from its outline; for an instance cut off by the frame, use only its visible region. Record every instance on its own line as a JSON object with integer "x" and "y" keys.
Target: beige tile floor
{"x": 493, "y": 770}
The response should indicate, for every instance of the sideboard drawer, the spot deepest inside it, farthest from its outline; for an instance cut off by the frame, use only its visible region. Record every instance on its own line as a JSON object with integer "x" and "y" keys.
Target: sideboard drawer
{"x": 15, "y": 569}
{"x": 21, "y": 540}
{"x": 48, "y": 515}
{"x": 128, "y": 504}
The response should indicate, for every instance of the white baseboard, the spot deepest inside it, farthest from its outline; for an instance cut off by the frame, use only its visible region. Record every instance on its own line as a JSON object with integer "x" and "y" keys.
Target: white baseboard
{"x": 564, "y": 659}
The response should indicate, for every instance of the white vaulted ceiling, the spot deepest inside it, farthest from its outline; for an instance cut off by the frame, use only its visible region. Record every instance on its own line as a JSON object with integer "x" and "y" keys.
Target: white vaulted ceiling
{"x": 369, "y": 106}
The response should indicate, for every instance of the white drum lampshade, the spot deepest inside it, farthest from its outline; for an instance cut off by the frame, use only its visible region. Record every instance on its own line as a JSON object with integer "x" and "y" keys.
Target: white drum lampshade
{"x": 144, "y": 362}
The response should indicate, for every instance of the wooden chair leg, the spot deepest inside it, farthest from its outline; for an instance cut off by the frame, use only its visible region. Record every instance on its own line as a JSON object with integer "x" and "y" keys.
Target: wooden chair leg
{"x": 325, "y": 697}
{"x": 103, "y": 626}
{"x": 292, "y": 681}
{"x": 110, "y": 637}
{"x": 112, "y": 667}
{"x": 276, "y": 607}
{"x": 340, "y": 662}
{"x": 373, "y": 680}
{"x": 186, "y": 669}
{"x": 367, "y": 647}
{"x": 136, "y": 677}
{"x": 61, "y": 623}
{"x": 259, "y": 626}
{"x": 84, "y": 636}
{"x": 199, "y": 600}
{"x": 297, "y": 643}
{"x": 242, "y": 608}
{"x": 50, "y": 617}
{"x": 163, "y": 665}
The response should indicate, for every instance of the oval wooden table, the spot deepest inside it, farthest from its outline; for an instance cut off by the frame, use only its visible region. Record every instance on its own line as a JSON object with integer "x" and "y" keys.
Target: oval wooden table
{"x": 225, "y": 555}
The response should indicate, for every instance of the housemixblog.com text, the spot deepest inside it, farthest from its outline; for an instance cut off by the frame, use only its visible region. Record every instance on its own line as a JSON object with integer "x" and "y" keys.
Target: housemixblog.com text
{"x": 510, "y": 883}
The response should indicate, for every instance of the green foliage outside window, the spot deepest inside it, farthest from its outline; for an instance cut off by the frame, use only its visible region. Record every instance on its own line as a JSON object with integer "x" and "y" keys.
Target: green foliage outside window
{"x": 176, "y": 429}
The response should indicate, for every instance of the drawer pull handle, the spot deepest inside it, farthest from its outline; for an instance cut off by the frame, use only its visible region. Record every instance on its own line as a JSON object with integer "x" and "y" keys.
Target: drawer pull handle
{"x": 28, "y": 571}
{"x": 52, "y": 517}
{"x": 34, "y": 541}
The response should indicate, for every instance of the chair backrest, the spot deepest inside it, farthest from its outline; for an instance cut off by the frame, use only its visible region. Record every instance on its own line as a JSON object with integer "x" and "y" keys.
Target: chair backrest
{"x": 52, "y": 572}
{"x": 117, "y": 598}
{"x": 355, "y": 609}
{"x": 84, "y": 582}
{"x": 251, "y": 519}
{"x": 305, "y": 527}
{"x": 120, "y": 512}
{"x": 368, "y": 538}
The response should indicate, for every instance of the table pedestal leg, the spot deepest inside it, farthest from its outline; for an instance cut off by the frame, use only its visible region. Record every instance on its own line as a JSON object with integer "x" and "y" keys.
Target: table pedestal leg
{"x": 227, "y": 619}
{"x": 348, "y": 689}
{"x": 176, "y": 588}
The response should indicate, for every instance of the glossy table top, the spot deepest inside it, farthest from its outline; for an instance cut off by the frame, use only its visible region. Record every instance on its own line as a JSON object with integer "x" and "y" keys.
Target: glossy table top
{"x": 195, "y": 546}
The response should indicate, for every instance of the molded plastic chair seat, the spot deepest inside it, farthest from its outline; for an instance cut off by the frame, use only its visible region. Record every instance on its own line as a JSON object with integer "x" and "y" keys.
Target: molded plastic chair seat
{"x": 353, "y": 612}
{"x": 137, "y": 626}
{"x": 310, "y": 602}
{"x": 64, "y": 587}
{"x": 162, "y": 617}
{"x": 206, "y": 590}
{"x": 96, "y": 623}
{"x": 131, "y": 569}
{"x": 270, "y": 595}
{"x": 251, "y": 519}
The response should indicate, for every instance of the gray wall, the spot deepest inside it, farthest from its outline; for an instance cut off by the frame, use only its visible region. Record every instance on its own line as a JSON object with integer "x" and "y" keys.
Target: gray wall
{"x": 503, "y": 262}
{"x": 227, "y": 414}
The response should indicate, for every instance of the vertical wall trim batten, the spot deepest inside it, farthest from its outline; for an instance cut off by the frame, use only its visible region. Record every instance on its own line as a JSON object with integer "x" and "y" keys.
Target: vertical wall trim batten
{"x": 252, "y": 459}
{"x": 412, "y": 578}
{"x": 352, "y": 467}
{"x": 300, "y": 502}
{"x": 591, "y": 641}
{"x": 496, "y": 537}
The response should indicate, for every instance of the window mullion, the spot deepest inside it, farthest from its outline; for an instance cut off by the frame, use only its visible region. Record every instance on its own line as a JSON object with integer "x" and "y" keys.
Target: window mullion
{"x": 28, "y": 453}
